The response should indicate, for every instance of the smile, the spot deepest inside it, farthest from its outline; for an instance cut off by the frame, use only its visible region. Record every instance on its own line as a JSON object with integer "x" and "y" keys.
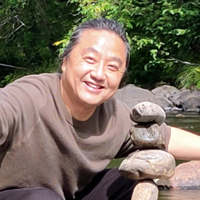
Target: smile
{"x": 94, "y": 86}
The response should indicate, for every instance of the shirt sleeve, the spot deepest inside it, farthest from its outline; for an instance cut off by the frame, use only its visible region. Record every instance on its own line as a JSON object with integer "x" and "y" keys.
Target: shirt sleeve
{"x": 18, "y": 111}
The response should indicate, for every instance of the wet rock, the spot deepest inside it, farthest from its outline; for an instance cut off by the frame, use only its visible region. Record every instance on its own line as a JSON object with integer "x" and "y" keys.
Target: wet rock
{"x": 145, "y": 190}
{"x": 147, "y": 136}
{"x": 148, "y": 164}
{"x": 148, "y": 112}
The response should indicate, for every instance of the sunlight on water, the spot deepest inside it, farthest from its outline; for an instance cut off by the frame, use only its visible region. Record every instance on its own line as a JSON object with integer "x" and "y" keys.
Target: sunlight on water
{"x": 189, "y": 121}
{"x": 180, "y": 195}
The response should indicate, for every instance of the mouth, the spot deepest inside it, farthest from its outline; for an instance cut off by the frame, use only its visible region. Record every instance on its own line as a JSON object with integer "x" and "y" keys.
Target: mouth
{"x": 93, "y": 85}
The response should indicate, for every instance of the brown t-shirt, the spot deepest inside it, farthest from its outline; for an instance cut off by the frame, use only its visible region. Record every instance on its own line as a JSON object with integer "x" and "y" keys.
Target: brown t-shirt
{"x": 43, "y": 145}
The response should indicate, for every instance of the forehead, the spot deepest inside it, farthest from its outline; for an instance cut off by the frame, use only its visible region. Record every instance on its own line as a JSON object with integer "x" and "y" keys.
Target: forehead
{"x": 96, "y": 33}
{"x": 102, "y": 39}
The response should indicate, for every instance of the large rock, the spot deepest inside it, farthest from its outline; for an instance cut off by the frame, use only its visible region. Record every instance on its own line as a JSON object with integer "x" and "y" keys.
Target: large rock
{"x": 131, "y": 95}
{"x": 166, "y": 91}
{"x": 186, "y": 177}
{"x": 165, "y": 103}
{"x": 179, "y": 97}
{"x": 166, "y": 96}
{"x": 188, "y": 100}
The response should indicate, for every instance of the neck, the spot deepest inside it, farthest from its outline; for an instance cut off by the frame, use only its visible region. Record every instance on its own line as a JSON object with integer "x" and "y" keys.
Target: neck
{"x": 78, "y": 111}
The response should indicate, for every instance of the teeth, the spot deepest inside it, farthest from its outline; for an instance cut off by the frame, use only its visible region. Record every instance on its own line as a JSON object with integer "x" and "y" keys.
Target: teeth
{"x": 93, "y": 86}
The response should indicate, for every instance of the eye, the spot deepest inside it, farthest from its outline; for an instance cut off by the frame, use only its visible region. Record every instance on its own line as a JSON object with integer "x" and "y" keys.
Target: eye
{"x": 113, "y": 67}
{"x": 89, "y": 59}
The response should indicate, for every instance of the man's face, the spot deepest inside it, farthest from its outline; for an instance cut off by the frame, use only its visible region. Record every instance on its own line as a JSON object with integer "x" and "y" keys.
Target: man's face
{"x": 94, "y": 68}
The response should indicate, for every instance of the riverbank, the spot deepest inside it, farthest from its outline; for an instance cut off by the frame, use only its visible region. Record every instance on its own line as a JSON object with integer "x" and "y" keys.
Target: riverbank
{"x": 168, "y": 97}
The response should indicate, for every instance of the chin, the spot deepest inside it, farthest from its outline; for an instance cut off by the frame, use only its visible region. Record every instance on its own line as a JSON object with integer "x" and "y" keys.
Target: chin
{"x": 92, "y": 103}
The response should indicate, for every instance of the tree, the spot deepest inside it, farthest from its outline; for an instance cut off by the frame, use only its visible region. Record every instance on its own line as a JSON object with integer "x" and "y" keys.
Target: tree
{"x": 164, "y": 34}
{"x": 28, "y": 30}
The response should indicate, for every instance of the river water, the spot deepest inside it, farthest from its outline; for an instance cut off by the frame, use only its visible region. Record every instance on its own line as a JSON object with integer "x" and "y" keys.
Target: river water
{"x": 191, "y": 122}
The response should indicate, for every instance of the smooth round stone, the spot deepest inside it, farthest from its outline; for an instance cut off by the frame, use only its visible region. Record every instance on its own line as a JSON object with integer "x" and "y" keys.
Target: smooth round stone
{"x": 148, "y": 164}
{"x": 145, "y": 190}
{"x": 148, "y": 112}
{"x": 147, "y": 136}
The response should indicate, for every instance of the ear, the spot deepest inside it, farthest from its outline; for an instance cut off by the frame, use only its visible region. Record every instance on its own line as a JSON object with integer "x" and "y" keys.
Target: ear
{"x": 64, "y": 63}
{"x": 63, "y": 67}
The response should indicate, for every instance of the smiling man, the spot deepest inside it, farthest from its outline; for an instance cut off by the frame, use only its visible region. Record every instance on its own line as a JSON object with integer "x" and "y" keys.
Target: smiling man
{"x": 58, "y": 132}
{"x": 92, "y": 72}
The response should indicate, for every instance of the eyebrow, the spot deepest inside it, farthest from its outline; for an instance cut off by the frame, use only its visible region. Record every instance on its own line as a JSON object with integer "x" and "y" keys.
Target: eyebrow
{"x": 113, "y": 58}
{"x": 116, "y": 59}
{"x": 90, "y": 49}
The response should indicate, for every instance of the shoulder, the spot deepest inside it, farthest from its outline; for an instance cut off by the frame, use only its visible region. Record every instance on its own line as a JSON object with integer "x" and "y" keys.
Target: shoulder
{"x": 33, "y": 83}
{"x": 41, "y": 79}
{"x": 32, "y": 88}
{"x": 116, "y": 110}
{"x": 117, "y": 106}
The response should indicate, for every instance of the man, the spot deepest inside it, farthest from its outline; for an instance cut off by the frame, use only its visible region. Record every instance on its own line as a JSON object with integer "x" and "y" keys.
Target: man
{"x": 60, "y": 131}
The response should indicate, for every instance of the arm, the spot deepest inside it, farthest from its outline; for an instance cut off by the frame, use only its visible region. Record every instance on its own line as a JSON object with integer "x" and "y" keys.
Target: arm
{"x": 17, "y": 113}
{"x": 184, "y": 145}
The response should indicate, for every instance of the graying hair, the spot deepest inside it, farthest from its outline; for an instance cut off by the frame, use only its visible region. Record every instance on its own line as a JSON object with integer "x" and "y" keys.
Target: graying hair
{"x": 100, "y": 24}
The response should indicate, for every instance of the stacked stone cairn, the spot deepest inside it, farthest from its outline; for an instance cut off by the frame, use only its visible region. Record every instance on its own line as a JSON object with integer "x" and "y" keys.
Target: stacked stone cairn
{"x": 149, "y": 161}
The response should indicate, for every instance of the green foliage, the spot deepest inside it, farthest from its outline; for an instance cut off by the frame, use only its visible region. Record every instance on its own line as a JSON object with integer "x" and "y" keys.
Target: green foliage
{"x": 164, "y": 34}
{"x": 88, "y": 9}
{"x": 28, "y": 29}
{"x": 44, "y": 68}
{"x": 165, "y": 31}
{"x": 190, "y": 77}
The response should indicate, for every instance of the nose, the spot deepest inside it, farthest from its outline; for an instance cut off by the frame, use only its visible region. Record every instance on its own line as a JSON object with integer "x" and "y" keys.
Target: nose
{"x": 98, "y": 73}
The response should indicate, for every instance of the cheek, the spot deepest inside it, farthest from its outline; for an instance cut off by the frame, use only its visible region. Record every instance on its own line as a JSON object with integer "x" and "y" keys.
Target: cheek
{"x": 114, "y": 80}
